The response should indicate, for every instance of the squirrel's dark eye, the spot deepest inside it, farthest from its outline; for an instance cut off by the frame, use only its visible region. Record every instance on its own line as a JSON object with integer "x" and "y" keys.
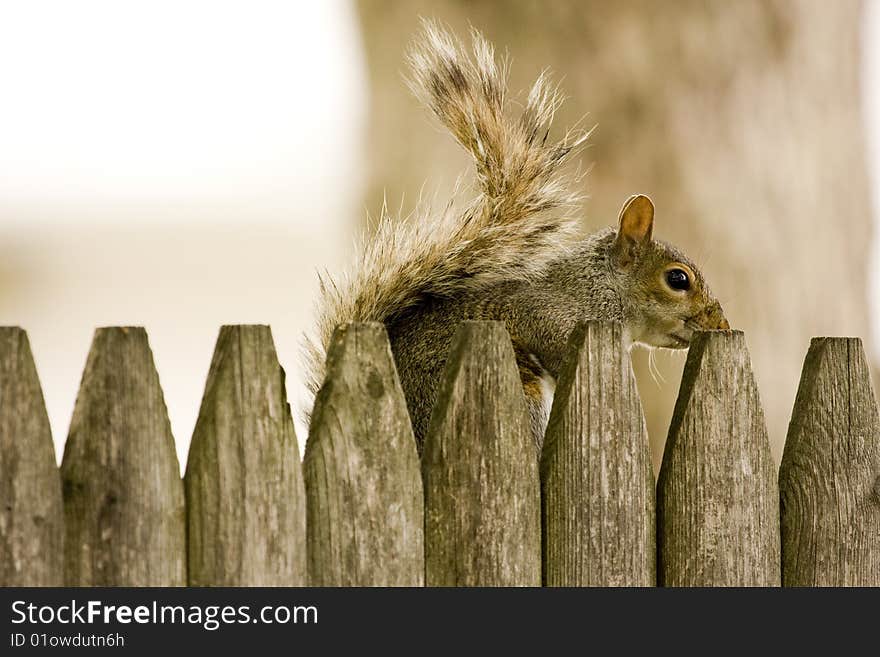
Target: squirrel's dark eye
{"x": 678, "y": 279}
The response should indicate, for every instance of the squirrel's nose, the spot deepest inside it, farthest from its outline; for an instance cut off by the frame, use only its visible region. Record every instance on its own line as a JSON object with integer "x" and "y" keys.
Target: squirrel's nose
{"x": 713, "y": 319}
{"x": 720, "y": 321}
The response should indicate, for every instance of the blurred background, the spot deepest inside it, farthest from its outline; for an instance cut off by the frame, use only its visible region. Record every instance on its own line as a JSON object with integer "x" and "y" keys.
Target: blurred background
{"x": 181, "y": 165}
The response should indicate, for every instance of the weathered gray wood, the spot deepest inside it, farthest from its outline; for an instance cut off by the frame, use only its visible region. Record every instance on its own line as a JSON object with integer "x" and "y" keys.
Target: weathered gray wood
{"x": 31, "y": 512}
{"x": 246, "y": 510}
{"x": 829, "y": 482}
{"x": 365, "y": 509}
{"x": 482, "y": 493}
{"x": 123, "y": 496}
{"x": 597, "y": 482}
{"x": 717, "y": 496}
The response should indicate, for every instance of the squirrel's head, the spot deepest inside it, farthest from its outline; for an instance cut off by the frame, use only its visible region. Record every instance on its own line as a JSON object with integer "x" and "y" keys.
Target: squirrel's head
{"x": 664, "y": 294}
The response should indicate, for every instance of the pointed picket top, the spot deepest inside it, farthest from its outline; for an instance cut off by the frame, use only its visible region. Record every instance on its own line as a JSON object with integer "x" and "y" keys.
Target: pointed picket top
{"x": 123, "y": 496}
{"x": 482, "y": 493}
{"x": 244, "y": 486}
{"x": 365, "y": 508}
{"x": 31, "y": 511}
{"x": 717, "y": 495}
{"x": 596, "y": 475}
{"x": 830, "y": 476}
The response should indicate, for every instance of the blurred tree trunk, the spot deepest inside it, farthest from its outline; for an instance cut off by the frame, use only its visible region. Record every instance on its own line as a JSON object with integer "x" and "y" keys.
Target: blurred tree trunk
{"x": 742, "y": 120}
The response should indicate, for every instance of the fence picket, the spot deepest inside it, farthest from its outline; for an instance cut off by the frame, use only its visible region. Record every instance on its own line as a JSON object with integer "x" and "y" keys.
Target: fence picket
{"x": 482, "y": 494}
{"x": 717, "y": 495}
{"x": 244, "y": 449}
{"x": 830, "y": 476}
{"x": 365, "y": 511}
{"x": 31, "y": 511}
{"x": 596, "y": 477}
{"x": 123, "y": 496}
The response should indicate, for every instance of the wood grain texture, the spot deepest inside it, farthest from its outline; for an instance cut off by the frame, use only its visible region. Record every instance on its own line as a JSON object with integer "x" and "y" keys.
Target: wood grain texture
{"x": 717, "y": 495}
{"x": 123, "y": 496}
{"x": 246, "y": 509}
{"x": 597, "y": 482}
{"x": 365, "y": 509}
{"x": 482, "y": 493}
{"x": 829, "y": 482}
{"x": 31, "y": 511}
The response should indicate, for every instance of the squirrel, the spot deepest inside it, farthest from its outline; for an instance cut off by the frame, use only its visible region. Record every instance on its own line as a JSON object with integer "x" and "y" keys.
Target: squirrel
{"x": 512, "y": 254}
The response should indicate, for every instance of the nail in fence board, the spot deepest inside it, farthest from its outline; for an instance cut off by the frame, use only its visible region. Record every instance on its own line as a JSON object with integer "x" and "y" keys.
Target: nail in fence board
{"x": 717, "y": 495}
{"x": 596, "y": 477}
{"x": 482, "y": 494}
{"x": 365, "y": 509}
{"x": 123, "y": 496}
{"x": 31, "y": 512}
{"x": 830, "y": 476}
{"x": 244, "y": 486}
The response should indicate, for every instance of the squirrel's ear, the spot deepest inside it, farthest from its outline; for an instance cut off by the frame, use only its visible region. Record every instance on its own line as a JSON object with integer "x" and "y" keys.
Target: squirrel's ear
{"x": 635, "y": 224}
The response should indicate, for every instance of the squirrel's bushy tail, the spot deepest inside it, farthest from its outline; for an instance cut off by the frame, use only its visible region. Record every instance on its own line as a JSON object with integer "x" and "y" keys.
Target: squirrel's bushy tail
{"x": 510, "y": 231}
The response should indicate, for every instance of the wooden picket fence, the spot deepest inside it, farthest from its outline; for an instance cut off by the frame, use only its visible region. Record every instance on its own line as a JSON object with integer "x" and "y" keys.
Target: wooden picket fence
{"x": 479, "y": 508}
